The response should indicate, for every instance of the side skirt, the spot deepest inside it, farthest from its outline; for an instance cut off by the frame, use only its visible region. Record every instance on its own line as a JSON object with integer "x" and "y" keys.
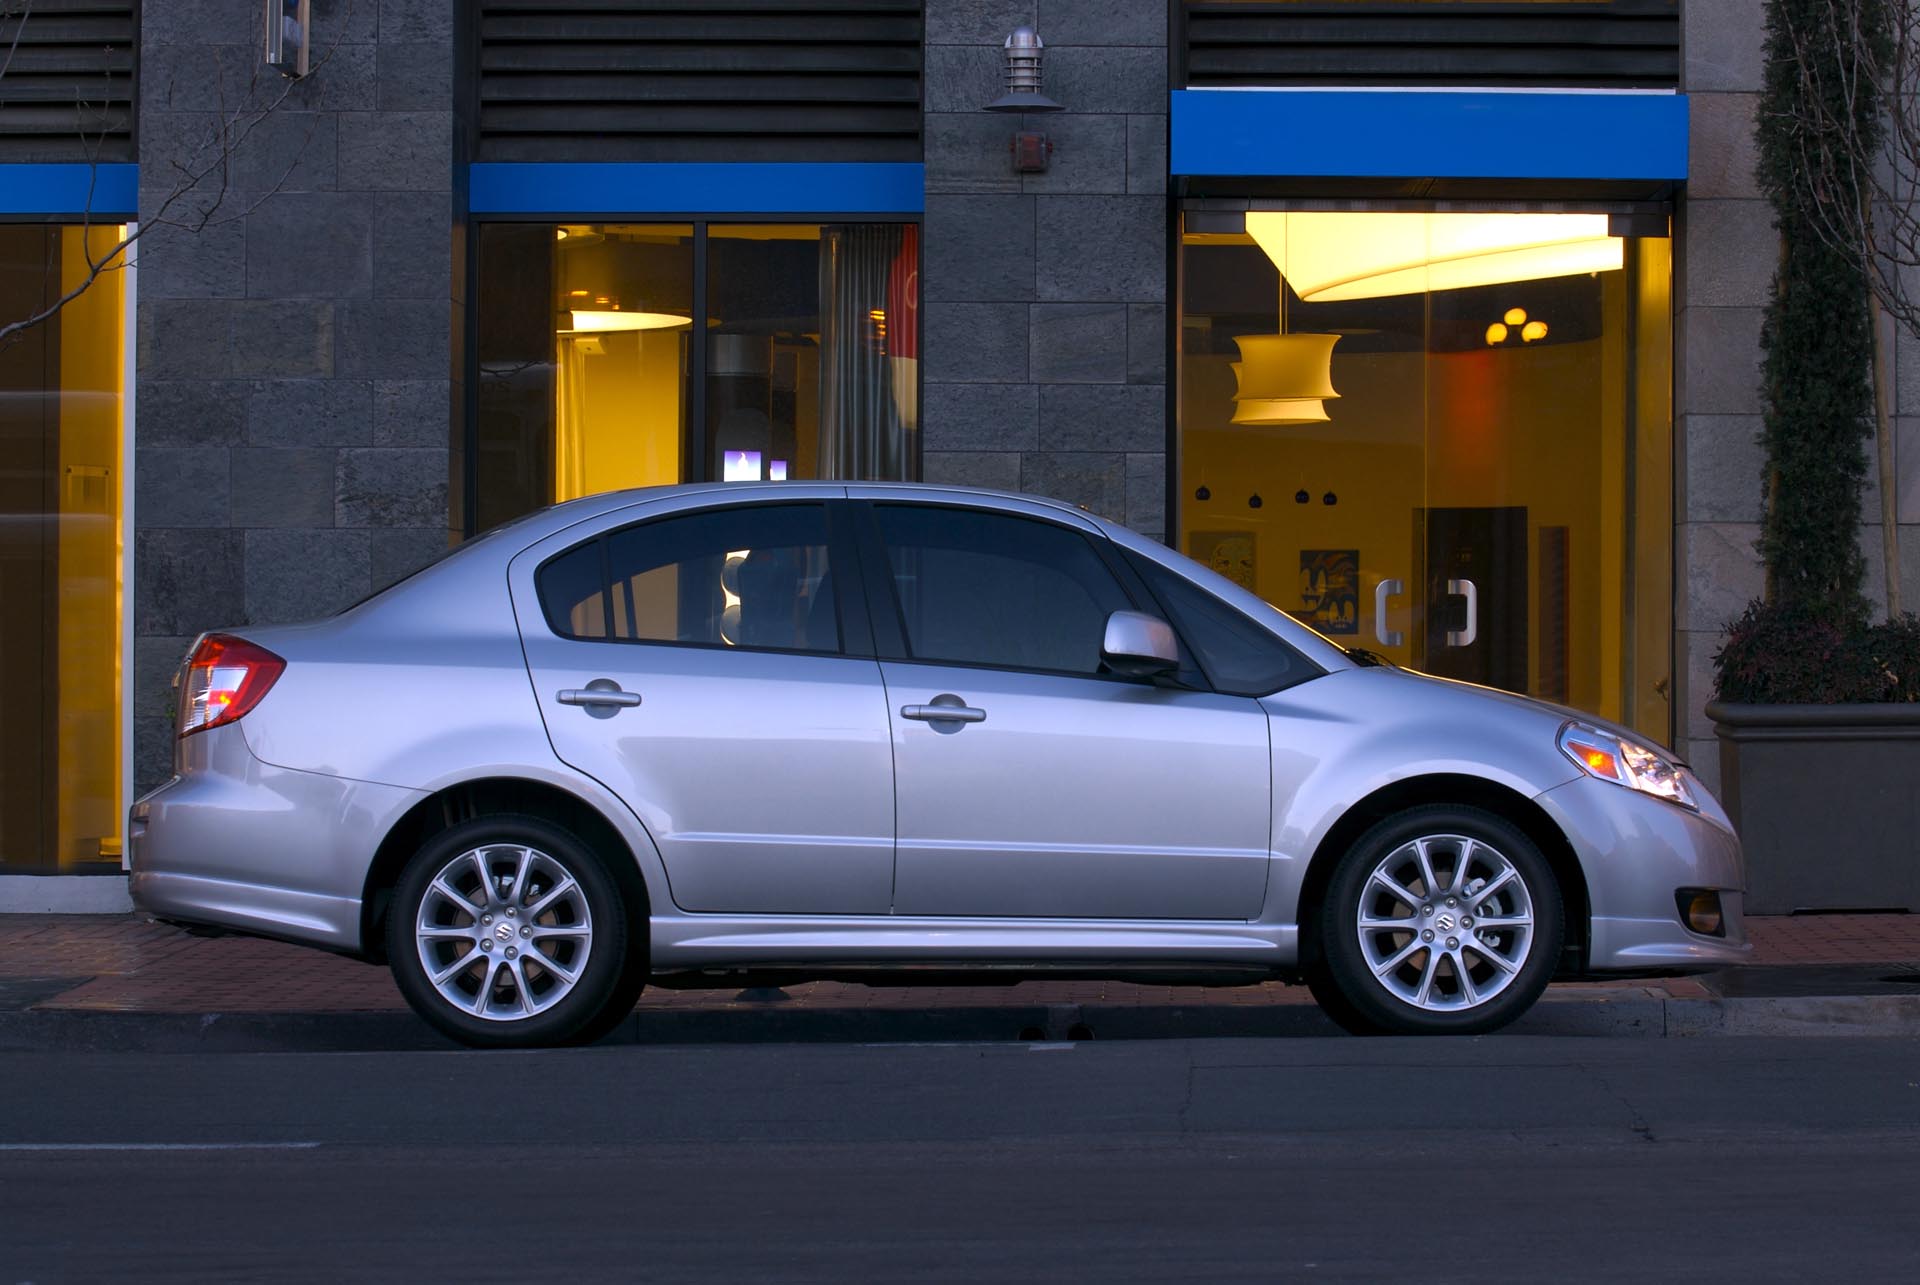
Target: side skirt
{"x": 822, "y": 945}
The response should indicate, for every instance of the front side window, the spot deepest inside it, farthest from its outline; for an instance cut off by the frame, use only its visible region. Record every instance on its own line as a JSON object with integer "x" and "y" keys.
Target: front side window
{"x": 749, "y": 577}
{"x": 1241, "y": 658}
{"x": 992, "y": 589}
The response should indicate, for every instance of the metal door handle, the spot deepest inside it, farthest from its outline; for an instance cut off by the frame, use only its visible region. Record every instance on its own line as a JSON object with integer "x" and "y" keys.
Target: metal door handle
{"x": 944, "y": 713}
{"x": 1381, "y": 592}
{"x": 1465, "y": 637}
{"x": 598, "y": 696}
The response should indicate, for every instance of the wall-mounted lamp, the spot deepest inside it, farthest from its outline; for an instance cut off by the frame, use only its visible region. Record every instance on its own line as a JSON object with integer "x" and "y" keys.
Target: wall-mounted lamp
{"x": 288, "y": 25}
{"x": 1024, "y": 49}
{"x": 1030, "y": 149}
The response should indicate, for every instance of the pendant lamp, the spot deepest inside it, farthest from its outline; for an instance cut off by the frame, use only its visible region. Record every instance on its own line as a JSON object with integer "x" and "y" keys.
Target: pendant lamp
{"x": 1283, "y": 379}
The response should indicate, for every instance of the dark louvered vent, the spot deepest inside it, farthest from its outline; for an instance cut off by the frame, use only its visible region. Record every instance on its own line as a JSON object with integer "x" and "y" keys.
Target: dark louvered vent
{"x": 700, "y": 80}
{"x": 66, "y": 80}
{"x": 1596, "y": 44}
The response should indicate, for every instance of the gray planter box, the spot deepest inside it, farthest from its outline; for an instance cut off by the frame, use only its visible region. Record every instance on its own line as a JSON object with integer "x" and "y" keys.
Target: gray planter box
{"x": 1827, "y": 802}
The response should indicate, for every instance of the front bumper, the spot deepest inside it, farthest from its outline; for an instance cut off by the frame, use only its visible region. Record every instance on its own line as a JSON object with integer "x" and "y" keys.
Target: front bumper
{"x": 1638, "y": 852}
{"x": 234, "y": 842}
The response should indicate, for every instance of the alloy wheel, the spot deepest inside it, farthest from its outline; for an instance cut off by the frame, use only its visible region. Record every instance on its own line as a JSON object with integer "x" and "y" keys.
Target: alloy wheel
{"x": 503, "y": 931}
{"x": 1445, "y": 923}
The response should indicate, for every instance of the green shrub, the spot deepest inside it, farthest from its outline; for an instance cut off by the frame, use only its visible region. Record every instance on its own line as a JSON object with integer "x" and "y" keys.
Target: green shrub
{"x": 1787, "y": 653}
{"x": 1809, "y": 641}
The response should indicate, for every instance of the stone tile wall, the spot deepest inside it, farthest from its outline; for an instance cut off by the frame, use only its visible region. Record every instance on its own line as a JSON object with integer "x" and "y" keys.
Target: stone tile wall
{"x": 292, "y": 430}
{"x": 1044, "y": 295}
{"x": 1726, "y": 251}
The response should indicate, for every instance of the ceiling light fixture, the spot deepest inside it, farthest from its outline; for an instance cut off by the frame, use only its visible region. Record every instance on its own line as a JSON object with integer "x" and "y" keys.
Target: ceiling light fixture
{"x": 1328, "y": 256}
{"x": 596, "y": 322}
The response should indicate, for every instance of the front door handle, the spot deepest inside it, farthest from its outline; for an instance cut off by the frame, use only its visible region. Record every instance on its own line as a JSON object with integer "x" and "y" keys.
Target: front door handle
{"x": 1465, "y": 637}
{"x": 1381, "y": 592}
{"x": 601, "y": 698}
{"x": 944, "y": 709}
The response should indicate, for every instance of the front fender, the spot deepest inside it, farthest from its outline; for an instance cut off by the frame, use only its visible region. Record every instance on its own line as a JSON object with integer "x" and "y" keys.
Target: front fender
{"x": 1339, "y": 739}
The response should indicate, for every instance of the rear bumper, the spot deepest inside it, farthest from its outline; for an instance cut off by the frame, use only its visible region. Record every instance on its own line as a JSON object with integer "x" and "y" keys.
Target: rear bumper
{"x": 1638, "y": 852}
{"x": 241, "y": 844}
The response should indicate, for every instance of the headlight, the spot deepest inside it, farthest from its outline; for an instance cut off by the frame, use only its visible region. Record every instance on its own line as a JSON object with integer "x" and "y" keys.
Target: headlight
{"x": 1625, "y": 762}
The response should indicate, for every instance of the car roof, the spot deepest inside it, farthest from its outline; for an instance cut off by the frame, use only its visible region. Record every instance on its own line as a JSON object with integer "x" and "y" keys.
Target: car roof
{"x": 541, "y": 523}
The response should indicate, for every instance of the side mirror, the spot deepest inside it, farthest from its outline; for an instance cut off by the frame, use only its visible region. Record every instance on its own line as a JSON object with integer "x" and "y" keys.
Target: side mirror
{"x": 1139, "y": 646}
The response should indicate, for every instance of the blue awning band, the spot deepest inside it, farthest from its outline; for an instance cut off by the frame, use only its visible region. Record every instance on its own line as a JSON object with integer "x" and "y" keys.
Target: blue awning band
{"x": 1367, "y": 133}
{"x": 103, "y": 193}
{"x": 617, "y": 189}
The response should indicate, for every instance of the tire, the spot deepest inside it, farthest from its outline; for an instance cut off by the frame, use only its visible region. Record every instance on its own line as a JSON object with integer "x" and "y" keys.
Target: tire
{"x": 566, "y": 973}
{"x": 1381, "y": 978}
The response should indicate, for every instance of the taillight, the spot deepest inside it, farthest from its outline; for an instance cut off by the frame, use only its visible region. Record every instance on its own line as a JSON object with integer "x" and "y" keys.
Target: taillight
{"x": 226, "y": 677}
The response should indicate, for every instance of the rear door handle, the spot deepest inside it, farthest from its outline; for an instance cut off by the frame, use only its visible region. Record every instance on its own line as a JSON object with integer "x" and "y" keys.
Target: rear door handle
{"x": 598, "y": 697}
{"x": 944, "y": 713}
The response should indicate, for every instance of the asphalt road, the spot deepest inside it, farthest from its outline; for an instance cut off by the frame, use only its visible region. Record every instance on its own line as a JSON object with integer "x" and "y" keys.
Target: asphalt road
{"x": 1499, "y": 1159}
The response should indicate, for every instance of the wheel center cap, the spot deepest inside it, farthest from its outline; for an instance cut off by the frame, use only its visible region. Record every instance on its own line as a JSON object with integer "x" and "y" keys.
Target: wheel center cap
{"x": 503, "y": 932}
{"x": 1445, "y": 922}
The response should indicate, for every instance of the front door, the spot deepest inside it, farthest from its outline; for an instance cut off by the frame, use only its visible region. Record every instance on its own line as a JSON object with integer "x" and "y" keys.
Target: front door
{"x": 1031, "y": 784}
{"x": 1476, "y": 591}
{"x": 694, "y": 665}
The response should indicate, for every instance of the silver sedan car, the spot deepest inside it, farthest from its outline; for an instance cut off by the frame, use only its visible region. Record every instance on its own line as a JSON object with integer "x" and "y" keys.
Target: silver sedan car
{"x": 750, "y": 734}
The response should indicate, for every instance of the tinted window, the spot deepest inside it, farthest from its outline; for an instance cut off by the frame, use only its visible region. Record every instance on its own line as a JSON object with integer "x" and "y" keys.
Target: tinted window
{"x": 989, "y": 589}
{"x": 1241, "y": 657}
{"x": 747, "y": 577}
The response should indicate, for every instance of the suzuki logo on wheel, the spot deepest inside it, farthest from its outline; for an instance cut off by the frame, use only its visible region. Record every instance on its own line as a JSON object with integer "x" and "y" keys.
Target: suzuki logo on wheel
{"x": 1444, "y": 923}
{"x": 504, "y": 932}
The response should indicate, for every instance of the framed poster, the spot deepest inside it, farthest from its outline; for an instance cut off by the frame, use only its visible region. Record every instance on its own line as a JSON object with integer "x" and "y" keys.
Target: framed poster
{"x": 1330, "y": 590}
{"x": 1231, "y": 553}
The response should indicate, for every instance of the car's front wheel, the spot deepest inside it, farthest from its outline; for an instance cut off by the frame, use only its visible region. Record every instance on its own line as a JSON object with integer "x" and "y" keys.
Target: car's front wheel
{"x": 1440, "y": 920}
{"x": 508, "y": 932}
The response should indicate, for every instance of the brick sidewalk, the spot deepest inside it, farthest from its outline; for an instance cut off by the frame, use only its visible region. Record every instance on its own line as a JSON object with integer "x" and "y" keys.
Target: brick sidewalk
{"x": 125, "y": 963}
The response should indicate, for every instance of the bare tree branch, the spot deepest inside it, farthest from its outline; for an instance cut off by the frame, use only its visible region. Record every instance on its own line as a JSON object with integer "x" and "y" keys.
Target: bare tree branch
{"x": 204, "y": 174}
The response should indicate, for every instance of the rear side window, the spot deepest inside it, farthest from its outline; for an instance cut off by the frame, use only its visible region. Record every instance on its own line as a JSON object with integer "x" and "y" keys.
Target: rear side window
{"x": 756, "y": 577}
{"x": 1241, "y": 657}
{"x": 992, "y": 589}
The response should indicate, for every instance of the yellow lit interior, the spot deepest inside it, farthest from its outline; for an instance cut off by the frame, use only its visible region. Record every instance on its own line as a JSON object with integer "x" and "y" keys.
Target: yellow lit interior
{"x": 1542, "y": 425}
{"x": 1328, "y": 256}
{"x": 92, "y": 346}
{"x": 619, "y": 386}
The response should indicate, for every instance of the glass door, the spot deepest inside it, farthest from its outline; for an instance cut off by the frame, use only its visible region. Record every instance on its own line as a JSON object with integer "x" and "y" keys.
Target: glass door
{"x": 1442, "y": 437}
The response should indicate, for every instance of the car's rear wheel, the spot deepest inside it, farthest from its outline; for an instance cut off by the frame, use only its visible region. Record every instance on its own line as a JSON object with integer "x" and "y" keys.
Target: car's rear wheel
{"x": 508, "y": 932}
{"x": 1440, "y": 920}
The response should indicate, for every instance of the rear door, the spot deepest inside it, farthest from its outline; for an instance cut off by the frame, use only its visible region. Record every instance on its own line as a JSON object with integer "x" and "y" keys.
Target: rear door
{"x": 707, "y": 666}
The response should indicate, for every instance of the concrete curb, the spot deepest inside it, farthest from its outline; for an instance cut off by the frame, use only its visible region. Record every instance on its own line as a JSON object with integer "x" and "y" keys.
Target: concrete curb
{"x": 1633, "y": 1015}
{"x": 64, "y": 895}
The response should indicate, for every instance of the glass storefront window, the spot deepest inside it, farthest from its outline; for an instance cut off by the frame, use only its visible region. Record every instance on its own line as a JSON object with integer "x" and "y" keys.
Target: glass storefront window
{"x": 593, "y": 375}
{"x": 61, "y": 544}
{"x": 1444, "y": 437}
